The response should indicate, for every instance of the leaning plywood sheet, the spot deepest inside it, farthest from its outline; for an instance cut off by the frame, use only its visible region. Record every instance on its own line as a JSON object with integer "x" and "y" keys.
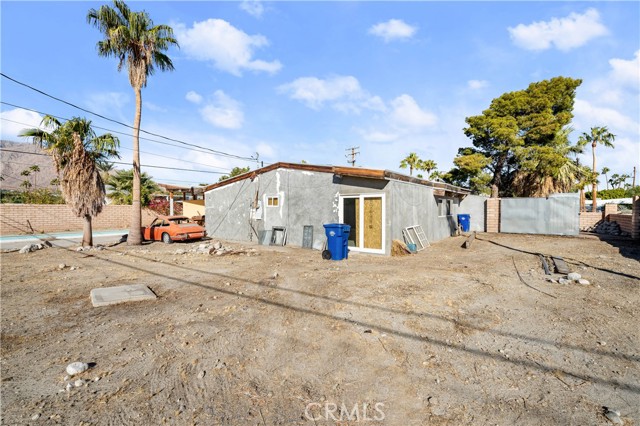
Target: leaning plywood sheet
{"x": 123, "y": 293}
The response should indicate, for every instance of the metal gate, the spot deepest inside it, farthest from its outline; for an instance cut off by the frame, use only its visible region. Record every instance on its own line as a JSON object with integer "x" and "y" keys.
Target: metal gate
{"x": 558, "y": 214}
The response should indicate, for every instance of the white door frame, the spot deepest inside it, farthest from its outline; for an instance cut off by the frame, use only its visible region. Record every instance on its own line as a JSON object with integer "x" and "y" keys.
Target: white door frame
{"x": 360, "y": 220}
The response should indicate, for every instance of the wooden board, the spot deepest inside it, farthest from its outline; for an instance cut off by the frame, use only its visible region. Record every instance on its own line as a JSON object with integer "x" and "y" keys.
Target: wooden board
{"x": 469, "y": 240}
{"x": 561, "y": 266}
{"x": 373, "y": 223}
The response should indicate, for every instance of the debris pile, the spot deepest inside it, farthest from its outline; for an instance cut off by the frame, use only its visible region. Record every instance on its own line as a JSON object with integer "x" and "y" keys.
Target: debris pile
{"x": 216, "y": 248}
{"x": 573, "y": 277}
{"x": 398, "y": 248}
{"x": 34, "y": 247}
{"x": 97, "y": 247}
{"x": 608, "y": 228}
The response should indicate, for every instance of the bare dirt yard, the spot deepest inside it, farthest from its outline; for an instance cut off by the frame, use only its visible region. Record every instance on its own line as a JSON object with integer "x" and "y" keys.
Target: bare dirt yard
{"x": 279, "y": 336}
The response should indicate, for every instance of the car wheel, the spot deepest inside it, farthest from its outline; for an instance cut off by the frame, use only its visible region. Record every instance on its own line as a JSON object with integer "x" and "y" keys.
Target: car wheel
{"x": 166, "y": 238}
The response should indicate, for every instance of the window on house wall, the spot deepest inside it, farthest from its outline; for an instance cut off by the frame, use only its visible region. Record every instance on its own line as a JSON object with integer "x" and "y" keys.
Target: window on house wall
{"x": 273, "y": 201}
{"x": 445, "y": 206}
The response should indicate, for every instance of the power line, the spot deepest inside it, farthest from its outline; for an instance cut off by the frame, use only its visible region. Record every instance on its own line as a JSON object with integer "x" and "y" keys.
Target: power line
{"x": 128, "y": 164}
{"x": 131, "y": 149}
{"x": 352, "y": 155}
{"x": 124, "y": 124}
{"x": 102, "y": 128}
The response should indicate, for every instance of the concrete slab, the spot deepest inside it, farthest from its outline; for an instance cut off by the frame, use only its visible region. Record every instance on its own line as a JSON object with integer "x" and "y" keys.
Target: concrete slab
{"x": 124, "y": 293}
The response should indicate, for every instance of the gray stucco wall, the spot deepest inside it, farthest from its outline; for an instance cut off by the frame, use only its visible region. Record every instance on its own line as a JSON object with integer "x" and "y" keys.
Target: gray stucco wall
{"x": 312, "y": 198}
{"x": 475, "y": 206}
{"x": 413, "y": 204}
{"x": 305, "y": 198}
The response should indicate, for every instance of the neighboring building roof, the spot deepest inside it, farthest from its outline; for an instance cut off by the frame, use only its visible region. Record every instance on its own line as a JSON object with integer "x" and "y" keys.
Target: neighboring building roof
{"x": 441, "y": 188}
{"x": 175, "y": 188}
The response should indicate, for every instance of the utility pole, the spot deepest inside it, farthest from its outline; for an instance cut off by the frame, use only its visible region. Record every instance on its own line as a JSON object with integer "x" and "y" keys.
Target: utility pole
{"x": 352, "y": 154}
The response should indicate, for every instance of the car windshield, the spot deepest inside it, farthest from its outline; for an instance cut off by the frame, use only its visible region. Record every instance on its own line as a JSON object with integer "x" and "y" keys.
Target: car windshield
{"x": 179, "y": 220}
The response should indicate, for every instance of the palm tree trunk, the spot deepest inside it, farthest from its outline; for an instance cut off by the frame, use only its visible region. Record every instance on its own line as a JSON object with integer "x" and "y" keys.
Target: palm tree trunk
{"x": 87, "y": 232}
{"x": 594, "y": 187}
{"x": 135, "y": 234}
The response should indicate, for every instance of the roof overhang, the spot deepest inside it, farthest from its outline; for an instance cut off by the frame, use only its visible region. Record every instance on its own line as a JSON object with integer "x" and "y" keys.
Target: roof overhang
{"x": 440, "y": 188}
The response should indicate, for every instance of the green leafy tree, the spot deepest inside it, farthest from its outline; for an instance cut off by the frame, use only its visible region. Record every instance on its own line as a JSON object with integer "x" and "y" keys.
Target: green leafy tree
{"x": 597, "y": 136}
{"x": 75, "y": 149}
{"x": 469, "y": 171}
{"x": 140, "y": 46}
{"x": 514, "y": 129}
{"x": 120, "y": 186}
{"x": 234, "y": 172}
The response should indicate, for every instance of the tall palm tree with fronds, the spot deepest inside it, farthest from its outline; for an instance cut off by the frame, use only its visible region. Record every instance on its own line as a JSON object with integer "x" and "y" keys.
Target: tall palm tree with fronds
{"x": 75, "y": 149}
{"x": 412, "y": 161}
{"x": 602, "y": 136}
{"x": 139, "y": 46}
{"x": 605, "y": 171}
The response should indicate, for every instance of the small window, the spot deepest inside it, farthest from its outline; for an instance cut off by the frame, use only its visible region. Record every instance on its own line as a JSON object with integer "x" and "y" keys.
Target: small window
{"x": 272, "y": 201}
{"x": 444, "y": 206}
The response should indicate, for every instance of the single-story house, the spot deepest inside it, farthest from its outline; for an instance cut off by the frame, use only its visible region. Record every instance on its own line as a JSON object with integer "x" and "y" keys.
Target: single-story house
{"x": 378, "y": 204}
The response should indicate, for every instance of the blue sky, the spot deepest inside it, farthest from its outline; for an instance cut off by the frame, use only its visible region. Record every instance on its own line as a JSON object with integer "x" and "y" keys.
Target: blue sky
{"x": 306, "y": 80}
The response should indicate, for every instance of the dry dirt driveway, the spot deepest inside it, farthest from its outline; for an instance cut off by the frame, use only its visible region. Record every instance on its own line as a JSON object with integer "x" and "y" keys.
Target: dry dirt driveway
{"x": 278, "y": 336}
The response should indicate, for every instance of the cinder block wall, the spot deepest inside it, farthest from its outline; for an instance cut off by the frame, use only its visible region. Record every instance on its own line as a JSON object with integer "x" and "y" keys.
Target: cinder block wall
{"x": 15, "y": 218}
{"x": 588, "y": 219}
{"x": 492, "y": 215}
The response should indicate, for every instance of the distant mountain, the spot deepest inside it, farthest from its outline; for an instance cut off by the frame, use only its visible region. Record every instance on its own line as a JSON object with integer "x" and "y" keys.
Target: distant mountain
{"x": 12, "y": 163}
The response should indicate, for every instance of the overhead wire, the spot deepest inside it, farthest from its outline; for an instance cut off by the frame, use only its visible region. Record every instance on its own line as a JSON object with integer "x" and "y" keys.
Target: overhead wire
{"x": 121, "y": 123}
{"x": 101, "y": 128}
{"x": 131, "y": 149}
{"x": 127, "y": 164}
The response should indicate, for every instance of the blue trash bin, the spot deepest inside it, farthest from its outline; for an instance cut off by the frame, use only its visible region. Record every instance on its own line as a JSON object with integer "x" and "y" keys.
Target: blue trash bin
{"x": 337, "y": 240}
{"x": 465, "y": 222}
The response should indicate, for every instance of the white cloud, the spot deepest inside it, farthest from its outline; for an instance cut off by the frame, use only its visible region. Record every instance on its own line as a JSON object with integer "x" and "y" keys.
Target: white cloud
{"x": 224, "y": 111}
{"x": 229, "y": 48}
{"x": 587, "y": 115}
{"x": 153, "y": 107}
{"x": 378, "y": 135}
{"x": 252, "y": 7}
{"x": 565, "y": 34}
{"x": 393, "y": 29}
{"x": 407, "y": 113}
{"x": 193, "y": 97}
{"x": 106, "y": 102}
{"x": 625, "y": 72}
{"x": 343, "y": 92}
{"x": 266, "y": 151}
{"x": 477, "y": 84}
{"x": 20, "y": 119}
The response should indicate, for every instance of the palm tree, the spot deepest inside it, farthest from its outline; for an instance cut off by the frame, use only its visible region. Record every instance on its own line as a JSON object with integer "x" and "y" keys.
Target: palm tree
{"x": 121, "y": 187}
{"x": 75, "y": 148}
{"x": 139, "y": 45}
{"x": 412, "y": 161}
{"x": 602, "y": 136}
{"x": 604, "y": 172}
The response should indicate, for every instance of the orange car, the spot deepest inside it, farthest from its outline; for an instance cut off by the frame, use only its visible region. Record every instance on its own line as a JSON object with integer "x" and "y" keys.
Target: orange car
{"x": 173, "y": 228}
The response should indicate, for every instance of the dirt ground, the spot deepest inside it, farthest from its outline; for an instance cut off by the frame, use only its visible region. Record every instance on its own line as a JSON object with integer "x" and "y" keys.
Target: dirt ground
{"x": 279, "y": 336}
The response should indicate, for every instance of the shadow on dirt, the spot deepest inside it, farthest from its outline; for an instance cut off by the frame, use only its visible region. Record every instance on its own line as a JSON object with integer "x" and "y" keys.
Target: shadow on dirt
{"x": 525, "y": 360}
{"x": 627, "y": 247}
{"x": 629, "y": 250}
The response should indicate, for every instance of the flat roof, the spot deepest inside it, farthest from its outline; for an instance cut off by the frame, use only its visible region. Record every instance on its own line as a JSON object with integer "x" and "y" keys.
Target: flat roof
{"x": 344, "y": 171}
